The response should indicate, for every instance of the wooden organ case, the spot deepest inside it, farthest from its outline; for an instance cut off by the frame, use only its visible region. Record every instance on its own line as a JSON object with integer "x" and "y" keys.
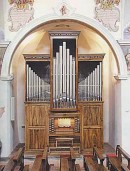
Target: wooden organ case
{"x": 63, "y": 98}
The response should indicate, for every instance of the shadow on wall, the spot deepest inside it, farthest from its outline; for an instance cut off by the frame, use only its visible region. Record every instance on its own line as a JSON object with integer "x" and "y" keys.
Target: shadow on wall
{"x": 1, "y": 35}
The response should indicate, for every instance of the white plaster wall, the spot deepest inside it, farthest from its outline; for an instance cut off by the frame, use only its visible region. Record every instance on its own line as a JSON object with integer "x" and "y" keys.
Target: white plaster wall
{"x": 6, "y": 127}
{"x": 20, "y": 98}
{"x": 126, "y": 15}
{"x": 112, "y": 83}
{"x": 106, "y": 96}
{"x": 1, "y": 21}
{"x": 1, "y": 14}
{"x": 126, "y": 114}
{"x": 43, "y": 7}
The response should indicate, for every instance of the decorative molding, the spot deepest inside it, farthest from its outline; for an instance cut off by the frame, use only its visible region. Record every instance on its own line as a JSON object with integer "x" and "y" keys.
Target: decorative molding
{"x": 64, "y": 33}
{"x": 120, "y": 77}
{"x": 91, "y": 56}
{"x": 125, "y": 45}
{"x": 126, "y": 31}
{"x": 123, "y": 42}
{"x": 4, "y": 44}
{"x": 63, "y": 9}
{"x": 7, "y": 78}
{"x": 36, "y": 56}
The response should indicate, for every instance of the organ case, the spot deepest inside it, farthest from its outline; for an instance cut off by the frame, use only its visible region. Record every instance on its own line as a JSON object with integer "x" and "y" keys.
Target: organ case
{"x": 90, "y": 99}
{"x": 37, "y": 101}
{"x": 63, "y": 96}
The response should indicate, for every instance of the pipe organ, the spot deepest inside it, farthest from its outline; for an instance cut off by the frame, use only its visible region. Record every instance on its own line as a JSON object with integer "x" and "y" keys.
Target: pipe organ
{"x": 63, "y": 95}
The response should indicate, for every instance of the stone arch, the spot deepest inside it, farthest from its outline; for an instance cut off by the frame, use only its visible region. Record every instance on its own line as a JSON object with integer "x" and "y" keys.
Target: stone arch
{"x": 119, "y": 56}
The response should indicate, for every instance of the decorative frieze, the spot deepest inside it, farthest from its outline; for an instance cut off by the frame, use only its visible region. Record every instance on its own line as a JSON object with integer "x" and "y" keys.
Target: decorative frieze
{"x": 91, "y": 57}
{"x": 36, "y": 56}
{"x": 64, "y": 33}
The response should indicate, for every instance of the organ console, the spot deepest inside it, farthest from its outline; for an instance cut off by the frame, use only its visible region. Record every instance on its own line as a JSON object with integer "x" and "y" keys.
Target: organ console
{"x": 63, "y": 94}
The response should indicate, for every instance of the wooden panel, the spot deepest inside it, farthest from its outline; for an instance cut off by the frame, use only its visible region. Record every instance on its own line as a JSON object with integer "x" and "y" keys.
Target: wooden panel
{"x": 36, "y": 121}
{"x": 92, "y": 137}
{"x": 36, "y": 115}
{"x": 37, "y": 138}
{"x": 92, "y": 124}
{"x": 92, "y": 115}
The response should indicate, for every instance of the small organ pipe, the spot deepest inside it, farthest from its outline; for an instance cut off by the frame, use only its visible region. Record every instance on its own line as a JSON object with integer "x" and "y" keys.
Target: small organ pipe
{"x": 57, "y": 91}
{"x": 88, "y": 86}
{"x": 98, "y": 82}
{"x": 29, "y": 92}
{"x": 85, "y": 88}
{"x": 39, "y": 81}
{"x": 73, "y": 68}
{"x": 27, "y": 84}
{"x": 54, "y": 76}
{"x": 60, "y": 53}
{"x": 70, "y": 77}
{"x": 95, "y": 83}
{"x": 68, "y": 69}
{"x": 100, "y": 95}
{"x": 64, "y": 67}
{"x": 43, "y": 96}
{"x": 32, "y": 82}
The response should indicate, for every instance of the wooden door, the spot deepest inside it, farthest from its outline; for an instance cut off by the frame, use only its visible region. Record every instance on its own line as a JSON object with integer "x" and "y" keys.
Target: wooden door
{"x": 36, "y": 129}
{"x": 92, "y": 124}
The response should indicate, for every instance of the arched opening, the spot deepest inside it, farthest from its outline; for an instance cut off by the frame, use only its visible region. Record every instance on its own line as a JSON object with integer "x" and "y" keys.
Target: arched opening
{"x": 93, "y": 39}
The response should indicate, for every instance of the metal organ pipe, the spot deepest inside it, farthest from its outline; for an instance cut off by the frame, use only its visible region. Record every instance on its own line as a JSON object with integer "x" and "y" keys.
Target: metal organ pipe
{"x": 70, "y": 77}
{"x": 73, "y": 74}
{"x": 64, "y": 67}
{"x": 100, "y": 95}
{"x": 27, "y": 84}
{"x": 60, "y": 55}
{"x": 54, "y": 78}
{"x": 68, "y": 70}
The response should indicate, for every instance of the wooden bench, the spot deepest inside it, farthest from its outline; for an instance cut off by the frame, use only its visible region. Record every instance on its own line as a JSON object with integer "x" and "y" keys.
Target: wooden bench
{"x": 72, "y": 159}
{"x": 124, "y": 168}
{"x": 115, "y": 163}
{"x": 2, "y": 167}
{"x": 64, "y": 164}
{"x": 41, "y": 162}
{"x": 52, "y": 167}
{"x": 77, "y": 167}
{"x": 91, "y": 162}
{"x": 17, "y": 159}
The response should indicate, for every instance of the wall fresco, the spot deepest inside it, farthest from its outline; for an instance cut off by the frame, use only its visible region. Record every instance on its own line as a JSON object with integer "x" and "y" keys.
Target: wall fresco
{"x": 20, "y": 13}
{"x": 108, "y": 13}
